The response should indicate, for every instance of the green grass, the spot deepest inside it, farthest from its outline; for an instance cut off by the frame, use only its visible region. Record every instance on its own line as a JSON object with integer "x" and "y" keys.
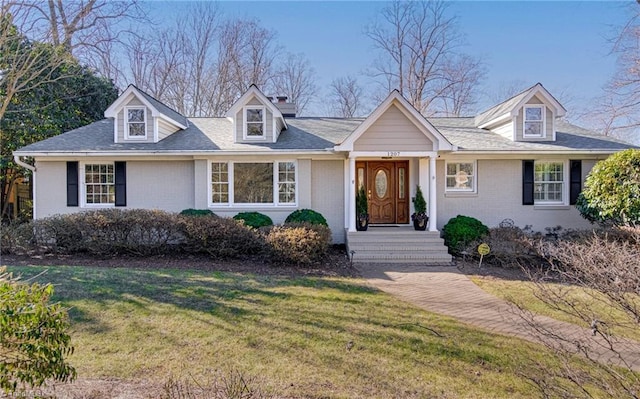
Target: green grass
{"x": 292, "y": 333}
{"x": 590, "y": 303}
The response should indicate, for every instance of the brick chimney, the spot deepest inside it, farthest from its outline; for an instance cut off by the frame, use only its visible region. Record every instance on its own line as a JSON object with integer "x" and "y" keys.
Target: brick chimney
{"x": 288, "y": 109}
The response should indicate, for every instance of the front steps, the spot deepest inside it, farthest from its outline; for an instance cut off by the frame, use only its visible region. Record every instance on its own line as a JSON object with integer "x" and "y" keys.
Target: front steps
{"x": 397, "y": 244}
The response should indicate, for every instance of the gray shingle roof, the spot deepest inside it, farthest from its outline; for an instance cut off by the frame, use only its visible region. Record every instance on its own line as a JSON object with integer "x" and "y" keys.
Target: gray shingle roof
{"x": 502, "y": 108}
{"x": 163, "y": 109}
{"x": 569, "y": 138}
{"x": 310, "y": 134}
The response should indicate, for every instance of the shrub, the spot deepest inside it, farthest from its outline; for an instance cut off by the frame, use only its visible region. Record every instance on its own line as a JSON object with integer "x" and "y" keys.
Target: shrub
{"x": 219, "y": 237}
{"x": 612, "y": 190}
{"x": 16, "y": 238}
{"x": 197, "y": 212}
{"x": 461, "y": 230}
{"x": 306, "y": 215}
{"x": 254, "y": 219}
{"x": 108, "y": 231}
{"x": 34, "y": 344}
{"x": 510, "y": 247}
{"x": 299, "y": 243}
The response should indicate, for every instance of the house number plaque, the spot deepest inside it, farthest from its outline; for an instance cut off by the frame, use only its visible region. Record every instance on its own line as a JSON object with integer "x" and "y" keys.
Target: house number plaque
{"x": 393, "y": 153}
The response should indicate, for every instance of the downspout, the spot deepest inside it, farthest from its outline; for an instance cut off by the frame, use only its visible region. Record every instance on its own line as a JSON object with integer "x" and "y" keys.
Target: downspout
{"x": 25, "y": 165}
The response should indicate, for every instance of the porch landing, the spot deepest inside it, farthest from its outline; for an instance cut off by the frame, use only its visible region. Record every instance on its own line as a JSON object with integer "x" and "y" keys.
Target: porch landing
{"x": 397, "y": 244}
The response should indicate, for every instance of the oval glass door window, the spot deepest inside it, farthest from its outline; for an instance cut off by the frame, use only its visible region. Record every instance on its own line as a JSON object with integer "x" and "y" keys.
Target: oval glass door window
{"x": 381, "y": 184}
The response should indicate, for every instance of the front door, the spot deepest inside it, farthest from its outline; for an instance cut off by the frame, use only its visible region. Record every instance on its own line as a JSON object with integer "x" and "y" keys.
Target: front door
{"x": 386, "y": 187}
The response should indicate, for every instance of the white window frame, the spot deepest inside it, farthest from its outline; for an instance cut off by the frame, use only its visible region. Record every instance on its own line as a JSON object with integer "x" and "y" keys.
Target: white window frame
{"x": 543, "y": 122}
{"x": 83, "y": 186}
{"x": 264, "y": 122}
{"x": 473, "y": 189}
{"x": 231, "y": 194}
{"x": 127, "y": 136}
{"x": 565, "y": 183}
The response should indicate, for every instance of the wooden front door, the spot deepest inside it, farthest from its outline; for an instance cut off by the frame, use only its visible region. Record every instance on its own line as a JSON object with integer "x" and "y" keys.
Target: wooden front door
{"x": 387, "y": 190}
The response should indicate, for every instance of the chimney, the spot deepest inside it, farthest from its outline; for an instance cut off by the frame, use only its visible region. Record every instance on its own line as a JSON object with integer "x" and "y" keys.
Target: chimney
{"x": 288, "y": 109}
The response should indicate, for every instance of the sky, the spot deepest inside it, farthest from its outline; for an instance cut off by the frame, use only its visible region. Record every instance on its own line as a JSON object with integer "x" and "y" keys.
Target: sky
{"x": 562, "y": 44}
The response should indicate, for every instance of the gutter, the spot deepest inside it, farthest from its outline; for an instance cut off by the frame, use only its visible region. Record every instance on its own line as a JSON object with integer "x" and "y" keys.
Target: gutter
{"x": 25, "y": 165}
{"x": 166, "y": 153}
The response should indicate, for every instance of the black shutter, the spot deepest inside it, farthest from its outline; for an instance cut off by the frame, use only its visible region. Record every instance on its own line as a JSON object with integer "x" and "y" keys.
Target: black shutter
{"x": 575, "y": 181}
{"x": 121, "y": 183}
{"x": 527, "y": 182}
{"x": 72, "y": 184}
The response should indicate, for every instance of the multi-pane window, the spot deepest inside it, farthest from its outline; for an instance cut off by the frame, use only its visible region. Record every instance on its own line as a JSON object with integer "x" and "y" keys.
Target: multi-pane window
{"x": 548, "y": 182}
{"x": 219, "y": 183}
{"x": 460, "y": 176}
{"x": 254, "y": 122}
{"x": 534, "y": 121}
{"x": 136, "y": 126}
{"x": 99, "y": 183}
{"x": 287, "y": 182}
{"x": 253, "y": 183}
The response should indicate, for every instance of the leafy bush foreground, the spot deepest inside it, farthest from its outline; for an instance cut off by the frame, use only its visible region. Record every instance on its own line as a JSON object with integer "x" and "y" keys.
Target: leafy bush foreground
{"x": 140, "y": 232}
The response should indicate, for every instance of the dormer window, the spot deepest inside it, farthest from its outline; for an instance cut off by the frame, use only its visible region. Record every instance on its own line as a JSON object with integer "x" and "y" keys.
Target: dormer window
{"x": 255, "y": 122}
{"x": 136, "y": 125}
{"x": 534, "y": 121}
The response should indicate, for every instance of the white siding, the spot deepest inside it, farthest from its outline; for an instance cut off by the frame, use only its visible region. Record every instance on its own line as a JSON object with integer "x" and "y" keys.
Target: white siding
{"x": 393, "y": 131}
{"x": 165, "y": 185}
{"x": 500, "y": 197}
{"x": 51, "y": 189}
{"x": 505, "y": 130}
{"x": 327, "y": 186}
{"x": 165, "y": 129}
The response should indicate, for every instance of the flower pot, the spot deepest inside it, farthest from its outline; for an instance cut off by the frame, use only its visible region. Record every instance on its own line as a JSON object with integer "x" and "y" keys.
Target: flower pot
{"x": 420, "y": 221}
{"x": 362, "y": 223}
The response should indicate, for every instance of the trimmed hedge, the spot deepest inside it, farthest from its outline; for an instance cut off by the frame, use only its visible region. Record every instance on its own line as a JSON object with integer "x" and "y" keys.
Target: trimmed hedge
{"x": 254, "y": 219}
{"x": 197, "y": 212}
{"x": 306, "y": 216}
{"x": 140, "y": 232}
{"x": 219, "y": 237}
{"x": 299, "y": 243}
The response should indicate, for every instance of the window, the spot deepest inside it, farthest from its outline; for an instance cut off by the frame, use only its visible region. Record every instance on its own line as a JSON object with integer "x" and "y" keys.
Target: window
{"x": 219, "y": 183}
{"x": 99, "y": 181}
{"x": 534, "y": 121}
{"x": 548, "y": 182}
{"x": 268, "y": 183}
{"x": 461, "y": 176}
{"x": 255, "y": 122}
{"x": 136, "y": 126}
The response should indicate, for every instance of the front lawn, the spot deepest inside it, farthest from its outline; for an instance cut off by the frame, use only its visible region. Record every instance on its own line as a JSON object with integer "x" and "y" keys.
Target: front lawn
{"x": 297, "y": 337}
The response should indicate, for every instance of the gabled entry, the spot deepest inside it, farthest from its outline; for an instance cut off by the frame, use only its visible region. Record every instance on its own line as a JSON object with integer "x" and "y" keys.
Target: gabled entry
{"x": 386, "y": 185}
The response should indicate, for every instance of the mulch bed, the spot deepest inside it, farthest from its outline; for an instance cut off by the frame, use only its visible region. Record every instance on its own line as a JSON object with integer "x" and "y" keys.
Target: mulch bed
{"x": 335, "y": 264}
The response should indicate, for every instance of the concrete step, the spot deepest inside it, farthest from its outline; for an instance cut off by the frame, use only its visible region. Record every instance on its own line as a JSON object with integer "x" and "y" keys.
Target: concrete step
{"x": 398, "y": 245}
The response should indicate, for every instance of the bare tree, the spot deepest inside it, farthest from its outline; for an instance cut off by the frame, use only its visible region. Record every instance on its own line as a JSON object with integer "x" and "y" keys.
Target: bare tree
{"x": 295, "y": 79}
{"x": 417, "y": 45}
{"x": 87, "y": 29}
{"x": 462, "y": 76}
{"x": 598, "y": 287}
{"x": 24, "y": 65}
{"x": 345, "y": 97}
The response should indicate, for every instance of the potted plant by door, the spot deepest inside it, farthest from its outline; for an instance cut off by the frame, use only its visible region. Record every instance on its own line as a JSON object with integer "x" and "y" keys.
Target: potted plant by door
{"x": 419, "y": 217}
{"x": 362, "y": 210}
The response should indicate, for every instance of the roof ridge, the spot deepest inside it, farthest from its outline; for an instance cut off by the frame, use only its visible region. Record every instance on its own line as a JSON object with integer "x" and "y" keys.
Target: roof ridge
{"x": 155, "y": 99}
{"x": 509, "y": 99}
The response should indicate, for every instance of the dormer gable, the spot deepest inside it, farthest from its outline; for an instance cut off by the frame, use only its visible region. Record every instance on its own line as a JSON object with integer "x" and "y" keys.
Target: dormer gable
{"x": 255, "y": 118}
{"x": 383, "y": 122}
{"x": 140, "y": 118}
{"x": 528, "y": 116}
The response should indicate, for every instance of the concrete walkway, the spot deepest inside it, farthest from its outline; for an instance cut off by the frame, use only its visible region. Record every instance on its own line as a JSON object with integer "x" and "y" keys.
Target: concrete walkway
{"x": 445, "y": 290}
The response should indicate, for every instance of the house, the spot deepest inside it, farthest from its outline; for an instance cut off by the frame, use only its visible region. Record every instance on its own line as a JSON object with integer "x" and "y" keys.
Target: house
{"x": 518, "y": 160}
